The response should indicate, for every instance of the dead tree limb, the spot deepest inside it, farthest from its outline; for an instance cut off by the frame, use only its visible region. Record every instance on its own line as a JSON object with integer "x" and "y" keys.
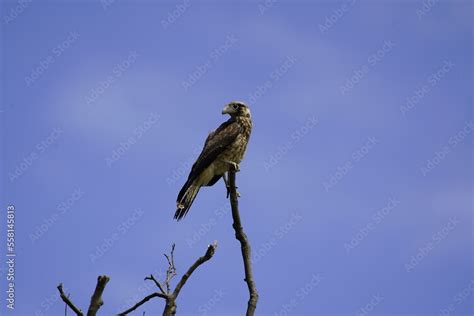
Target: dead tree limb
{"x": 96, "y": 300}
{"x": 244, "y": 245}
{"x": 208, "y": 255}
{"x": 143, "y": 301}
{"x": 68, "y": 301}
{"x": 165, "y": 289}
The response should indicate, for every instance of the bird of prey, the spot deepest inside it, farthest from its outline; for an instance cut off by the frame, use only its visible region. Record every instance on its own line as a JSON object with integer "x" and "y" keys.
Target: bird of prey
{"x": 224, "y": 148}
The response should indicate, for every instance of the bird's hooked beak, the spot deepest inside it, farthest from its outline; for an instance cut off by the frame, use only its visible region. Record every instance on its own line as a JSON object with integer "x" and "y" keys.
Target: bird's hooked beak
{"x": 228, "y": 110}
{"x": 234, "y": 108}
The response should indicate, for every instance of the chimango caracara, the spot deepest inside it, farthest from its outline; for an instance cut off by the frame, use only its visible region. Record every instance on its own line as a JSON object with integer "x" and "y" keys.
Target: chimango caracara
{"x": 224, "y": 148}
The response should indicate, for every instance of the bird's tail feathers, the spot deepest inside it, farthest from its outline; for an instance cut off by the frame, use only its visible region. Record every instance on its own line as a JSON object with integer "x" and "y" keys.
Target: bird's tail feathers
{"x": 185, "y": 200}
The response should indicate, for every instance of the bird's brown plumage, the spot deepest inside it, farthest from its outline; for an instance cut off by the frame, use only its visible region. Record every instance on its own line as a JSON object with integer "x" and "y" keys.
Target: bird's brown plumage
{"x": 225, "y": 145}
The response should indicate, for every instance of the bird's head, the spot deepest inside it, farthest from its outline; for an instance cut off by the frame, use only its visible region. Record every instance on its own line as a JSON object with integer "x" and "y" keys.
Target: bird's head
{"x": 236, "y": 108}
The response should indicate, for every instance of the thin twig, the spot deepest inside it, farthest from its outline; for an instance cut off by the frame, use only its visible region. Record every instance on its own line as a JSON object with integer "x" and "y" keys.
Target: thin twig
{"x": 157, "y": 283}
{"x": 143, "y": 301}
{"x": 96, "y": 299}
{"x": 68, "y": 301}
{"x": 171, "y": 271}
{"x": 244, "y": 245}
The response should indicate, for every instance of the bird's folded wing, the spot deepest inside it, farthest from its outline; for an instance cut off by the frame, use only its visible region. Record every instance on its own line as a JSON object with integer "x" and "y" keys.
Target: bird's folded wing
{"x": 216, "y": 143}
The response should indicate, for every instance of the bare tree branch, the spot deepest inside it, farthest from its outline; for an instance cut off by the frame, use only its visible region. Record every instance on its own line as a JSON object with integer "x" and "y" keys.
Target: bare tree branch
{"x": 96, "y": 299}
{"x": 211, "y": 249}
{"x": 168, "y": 296}
{"x": 165, "y": 288}
{"x": 143, "y": 301}
{"x": 68, "y": 301}
{"x": 157, "y": 283}
{"x": 171, "y": 272}
{"x": 244, "y": 245}
{"x": 65, "y": 308}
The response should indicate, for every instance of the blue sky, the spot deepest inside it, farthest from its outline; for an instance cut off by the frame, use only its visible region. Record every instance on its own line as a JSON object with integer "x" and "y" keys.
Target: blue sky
{"x": 356, "y": 188}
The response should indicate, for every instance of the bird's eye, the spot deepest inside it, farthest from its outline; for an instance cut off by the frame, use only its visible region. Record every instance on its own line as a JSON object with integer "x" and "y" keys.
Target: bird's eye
{"x": 235, "y": 106}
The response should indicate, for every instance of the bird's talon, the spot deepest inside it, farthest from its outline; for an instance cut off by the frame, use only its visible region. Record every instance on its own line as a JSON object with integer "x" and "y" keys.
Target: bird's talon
{"x": 233, "y": 166}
